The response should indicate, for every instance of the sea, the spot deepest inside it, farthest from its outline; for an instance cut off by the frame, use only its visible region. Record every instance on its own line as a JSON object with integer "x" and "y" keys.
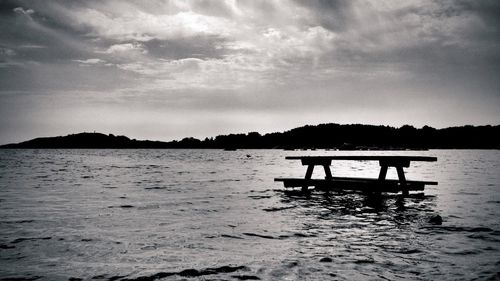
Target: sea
{"x": 104, "y": 214}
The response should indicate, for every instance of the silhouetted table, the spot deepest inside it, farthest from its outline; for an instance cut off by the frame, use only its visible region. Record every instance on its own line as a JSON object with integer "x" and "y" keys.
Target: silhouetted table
{"x": 379, "y": 184}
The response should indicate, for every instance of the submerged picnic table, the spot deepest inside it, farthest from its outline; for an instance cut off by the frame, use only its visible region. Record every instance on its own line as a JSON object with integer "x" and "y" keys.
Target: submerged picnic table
{"x": 380, "y": 184}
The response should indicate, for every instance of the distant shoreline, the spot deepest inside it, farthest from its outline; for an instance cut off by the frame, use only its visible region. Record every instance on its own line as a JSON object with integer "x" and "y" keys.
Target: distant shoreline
{"x": 331, "y": 136}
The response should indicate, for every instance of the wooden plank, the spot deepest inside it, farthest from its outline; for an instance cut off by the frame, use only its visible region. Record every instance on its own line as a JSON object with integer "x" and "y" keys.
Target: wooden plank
{"x": 363, "y": 158}
{"x": 386, "y": 180}
{"x": 371, "y": 180}
{"x": 316, "y": 161}
{"x": 368, "y": 186}
{"x": 394, "y": 163}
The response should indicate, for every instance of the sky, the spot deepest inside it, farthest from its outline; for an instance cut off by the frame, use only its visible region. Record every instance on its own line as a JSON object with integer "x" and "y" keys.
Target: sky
{"x": 165, "y": 70}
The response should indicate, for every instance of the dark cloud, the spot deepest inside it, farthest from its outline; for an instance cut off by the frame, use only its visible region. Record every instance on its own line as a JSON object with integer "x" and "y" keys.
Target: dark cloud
{"x": 7, "y": 7}
{"x": 334, "y": 15}
{"x": 36, "y": 36}
{"x": 489, "y": 12}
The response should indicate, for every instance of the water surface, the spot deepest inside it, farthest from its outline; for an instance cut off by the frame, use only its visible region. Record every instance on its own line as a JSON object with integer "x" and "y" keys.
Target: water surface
{"x": 212, "y": 214}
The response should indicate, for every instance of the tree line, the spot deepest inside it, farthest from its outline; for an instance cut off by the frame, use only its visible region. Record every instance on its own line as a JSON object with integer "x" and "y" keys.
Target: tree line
{"x": 323, "y": 136}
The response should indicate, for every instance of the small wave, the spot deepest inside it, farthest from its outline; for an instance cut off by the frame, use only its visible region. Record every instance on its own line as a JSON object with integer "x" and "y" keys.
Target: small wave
{"x": 275, "y": 209}
{"x": 463, "y": 252}
{"x": 405, "y": 251}
{"x": 148, "y": 207}
{"x": 459, "y": 228}
{"x": 220, "y": 180}
{"x": 191, "y": 273}
{"x": 304, "y": 235}
{"x": 149, "y": 247}
{"x": 122, "y": 206}
{"x": 231, "y": 236}
{"x": 246, "y": 277}
{"x": 155, "y": 187}
{"x": 364, "y": 261}
{"x": 260, "y": 191}
{"x": 126, "y": 206}
{"x": 467, "y": 193}
{"x": 282, "y": 236}
{"x": 256, "y": 197}
{"x": 482, "y": 236}
{"x": 102, "y": 276}
{"x": 19, "y": 240}
{"x": 259, "y": 235}
{"x": 21, "y": 278}
{"x": 16, "y": 222}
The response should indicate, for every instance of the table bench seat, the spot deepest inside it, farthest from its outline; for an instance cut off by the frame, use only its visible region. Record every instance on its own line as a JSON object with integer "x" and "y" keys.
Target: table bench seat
{"x": 362, "y": 184}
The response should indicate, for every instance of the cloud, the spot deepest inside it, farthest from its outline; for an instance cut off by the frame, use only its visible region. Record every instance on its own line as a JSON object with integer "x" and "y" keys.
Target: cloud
{"x": 118, "y": 48}
{"x": 31, "y": 46}
{"x": 125, "y": 53}
{"x": 24, "y": 12}
{"x": 138, "y": 25}
{"x": 90, "y": 61}
{"x": 7, "y": 52}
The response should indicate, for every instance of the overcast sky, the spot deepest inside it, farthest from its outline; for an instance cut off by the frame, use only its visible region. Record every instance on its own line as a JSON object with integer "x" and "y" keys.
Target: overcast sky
{"x": 170, "y": 69}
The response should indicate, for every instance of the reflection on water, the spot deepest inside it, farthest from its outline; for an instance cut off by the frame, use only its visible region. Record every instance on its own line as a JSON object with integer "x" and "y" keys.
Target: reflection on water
{"x": 358, "y": 204}
{"x": 210, "y": 214}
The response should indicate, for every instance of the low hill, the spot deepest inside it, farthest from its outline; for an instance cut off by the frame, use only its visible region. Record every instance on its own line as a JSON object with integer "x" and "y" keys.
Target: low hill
{"x": 87, "y": 140}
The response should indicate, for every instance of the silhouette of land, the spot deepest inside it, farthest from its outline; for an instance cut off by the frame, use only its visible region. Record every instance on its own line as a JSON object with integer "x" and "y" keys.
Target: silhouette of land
{"x": 327, "y": 136}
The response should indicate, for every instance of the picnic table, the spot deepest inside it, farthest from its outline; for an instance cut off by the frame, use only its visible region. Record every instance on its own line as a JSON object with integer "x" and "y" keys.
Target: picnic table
{"x": 380, "y": 184}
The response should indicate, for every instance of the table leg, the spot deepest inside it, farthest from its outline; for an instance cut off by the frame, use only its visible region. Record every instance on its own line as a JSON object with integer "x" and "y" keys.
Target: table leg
{"x": 328, "y": 172}
{"x": 402, "y": 180}
{"x": 309, "y": 172}
{"x": 383, "y": 173}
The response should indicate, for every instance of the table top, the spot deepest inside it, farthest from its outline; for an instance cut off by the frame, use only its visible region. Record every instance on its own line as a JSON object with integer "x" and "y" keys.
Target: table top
{"x": 365, "y": 158}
